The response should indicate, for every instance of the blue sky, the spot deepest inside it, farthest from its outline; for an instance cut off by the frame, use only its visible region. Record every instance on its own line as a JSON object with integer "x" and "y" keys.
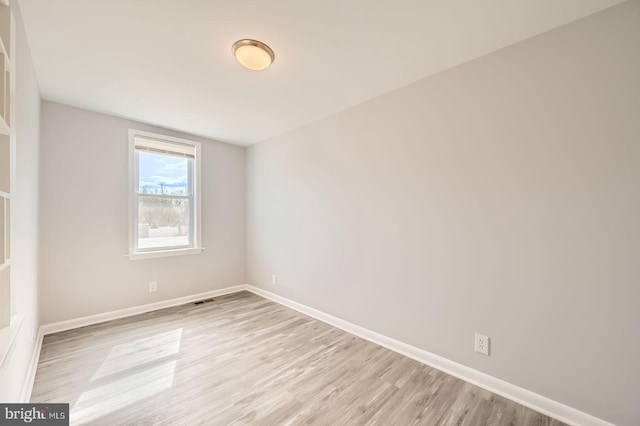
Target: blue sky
{"x": 157, "y": 170}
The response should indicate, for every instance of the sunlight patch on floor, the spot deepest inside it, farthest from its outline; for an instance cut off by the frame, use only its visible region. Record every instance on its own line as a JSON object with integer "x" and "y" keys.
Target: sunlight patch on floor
{"x": 117, "y": 394}
{"x": 142, "y": 351}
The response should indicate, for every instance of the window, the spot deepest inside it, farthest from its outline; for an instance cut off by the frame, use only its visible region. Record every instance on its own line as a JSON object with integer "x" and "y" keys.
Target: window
{"x": 165, "y": 196}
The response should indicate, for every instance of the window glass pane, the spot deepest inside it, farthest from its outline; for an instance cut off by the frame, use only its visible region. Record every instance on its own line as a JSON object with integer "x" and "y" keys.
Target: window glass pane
{"x": 162, "y": 174}
{"x": 162, "y": 222}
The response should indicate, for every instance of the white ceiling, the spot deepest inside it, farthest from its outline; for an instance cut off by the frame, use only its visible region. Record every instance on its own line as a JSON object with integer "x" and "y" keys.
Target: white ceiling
{"x": 169, "y": 63}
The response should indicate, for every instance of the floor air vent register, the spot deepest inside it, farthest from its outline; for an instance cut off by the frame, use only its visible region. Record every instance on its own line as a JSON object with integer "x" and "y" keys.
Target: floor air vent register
{"x": 202, "y": 302}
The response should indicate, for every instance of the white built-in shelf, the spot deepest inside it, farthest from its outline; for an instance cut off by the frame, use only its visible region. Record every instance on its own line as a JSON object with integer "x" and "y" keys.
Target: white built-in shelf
{"x": 5, "y": 294}
{"x": 8, "y": 327}
{"x": 5, "y": 92}
{"x": 5, "y": 166}
{"x": 6, "y": 28}
{"x": 8, "y": 336}
{"x": 2, "y": 48}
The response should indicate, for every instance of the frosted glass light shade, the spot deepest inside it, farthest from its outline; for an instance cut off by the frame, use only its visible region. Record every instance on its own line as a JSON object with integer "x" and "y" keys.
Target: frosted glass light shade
{"x": 253, "y": 54}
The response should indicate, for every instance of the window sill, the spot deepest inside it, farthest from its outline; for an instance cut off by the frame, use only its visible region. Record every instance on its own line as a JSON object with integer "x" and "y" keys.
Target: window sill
{"x": 164, "y": 253}
{"x": 8, "y": 336}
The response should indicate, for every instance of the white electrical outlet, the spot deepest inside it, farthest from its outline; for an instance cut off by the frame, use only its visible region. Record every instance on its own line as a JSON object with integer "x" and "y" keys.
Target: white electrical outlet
{"x": 153, "y": 286}
{"x": 482, "y": 344}
{"x": 274, "y": 279}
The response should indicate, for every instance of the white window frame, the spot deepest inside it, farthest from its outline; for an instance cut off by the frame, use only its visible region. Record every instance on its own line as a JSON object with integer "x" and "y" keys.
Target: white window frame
{"x": 195, "y": 222}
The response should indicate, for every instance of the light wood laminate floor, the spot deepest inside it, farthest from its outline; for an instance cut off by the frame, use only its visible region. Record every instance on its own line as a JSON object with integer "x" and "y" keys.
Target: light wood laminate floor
{"x": 242, "y": 359}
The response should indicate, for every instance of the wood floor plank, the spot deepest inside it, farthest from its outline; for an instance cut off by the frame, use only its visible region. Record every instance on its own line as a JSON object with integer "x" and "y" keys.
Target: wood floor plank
{"x": 244, "y": 360}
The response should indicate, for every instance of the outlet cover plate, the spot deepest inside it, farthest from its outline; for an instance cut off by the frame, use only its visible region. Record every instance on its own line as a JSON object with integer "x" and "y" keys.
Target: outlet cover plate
{"x": 482, "y": 344}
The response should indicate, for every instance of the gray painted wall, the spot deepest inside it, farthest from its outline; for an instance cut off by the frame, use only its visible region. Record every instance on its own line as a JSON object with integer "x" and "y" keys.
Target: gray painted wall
{"x": 84, "y": 220}
{"x": 501, "y": 197}
{"x": 24, "y": 218}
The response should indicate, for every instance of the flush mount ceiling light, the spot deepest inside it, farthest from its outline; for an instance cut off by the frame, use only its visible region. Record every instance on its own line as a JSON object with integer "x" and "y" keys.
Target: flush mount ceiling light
{"x": 253, "y": 54}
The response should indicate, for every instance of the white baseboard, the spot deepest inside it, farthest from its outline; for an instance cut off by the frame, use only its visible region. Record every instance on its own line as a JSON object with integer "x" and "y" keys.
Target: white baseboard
{"x": 500, "y": 387}
{"x": 135, "y": 310}
{"x": 25, "y": 396}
